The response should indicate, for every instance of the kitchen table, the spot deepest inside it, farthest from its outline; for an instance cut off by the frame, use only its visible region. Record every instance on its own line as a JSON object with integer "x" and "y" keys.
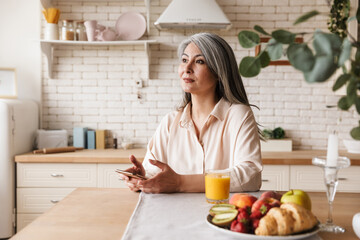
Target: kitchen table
{"x": 103, "y": 213}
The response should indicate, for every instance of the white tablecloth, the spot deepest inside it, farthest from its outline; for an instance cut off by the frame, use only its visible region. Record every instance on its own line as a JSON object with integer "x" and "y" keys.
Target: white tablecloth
{"x": 174, "y": 216}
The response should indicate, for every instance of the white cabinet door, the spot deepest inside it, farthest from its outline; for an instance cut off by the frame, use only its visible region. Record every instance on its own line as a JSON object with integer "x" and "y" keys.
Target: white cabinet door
{"x": 108, "y": 178}
{"x": 306, "y": 177}
{"x": 349, "y": 179}
{"x": 24, "y": 219}
{"x": 56, "y": 175}
{"x": 275, "y": 177}
{"x": 311, "y": 178}
{"x": 38, "y": 200}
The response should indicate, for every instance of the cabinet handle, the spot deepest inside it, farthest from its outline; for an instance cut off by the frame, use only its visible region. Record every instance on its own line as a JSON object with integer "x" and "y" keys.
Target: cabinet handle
{"x": 56, "y": 175}
{"x": 54, "y": 201}
{"x": 342, "y": 178}
{"x": 264, "y": 180}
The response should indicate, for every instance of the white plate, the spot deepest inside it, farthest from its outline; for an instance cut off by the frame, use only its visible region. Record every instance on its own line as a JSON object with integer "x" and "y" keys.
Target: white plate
{"x": 130, "y": 26}
{"x": 247, "y": 236}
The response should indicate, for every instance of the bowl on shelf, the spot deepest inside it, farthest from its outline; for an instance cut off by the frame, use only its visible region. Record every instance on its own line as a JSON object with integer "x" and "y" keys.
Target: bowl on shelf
{"x": 352, "y": 146}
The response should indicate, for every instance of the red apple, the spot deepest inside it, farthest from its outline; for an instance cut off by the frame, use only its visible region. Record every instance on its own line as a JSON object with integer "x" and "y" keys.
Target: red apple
{"x": 241, "y": 200}
{"x": 271, "y": 194}
{"x": 262, "y": 206}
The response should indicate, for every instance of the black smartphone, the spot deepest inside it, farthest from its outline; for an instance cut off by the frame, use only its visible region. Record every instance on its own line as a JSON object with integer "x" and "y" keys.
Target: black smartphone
{"x": 129, "y": 174}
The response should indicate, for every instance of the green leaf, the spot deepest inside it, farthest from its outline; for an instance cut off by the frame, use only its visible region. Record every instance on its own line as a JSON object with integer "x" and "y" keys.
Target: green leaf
{"x": 341, "y": 81}
{"x": 261, "y": 30}
{"x": 355, "y": 133}
{"x": 283, "y": 36}
{"x": 343, "y": 103}
{"x": 357, "y": 104}
{"x": 250, "y": 66}
{"x": 352, "y": 18}
{"x": 345, "y": 53}
{"x": 274, "y": 49}
{"x": 358, "y": 15}
{"x": 326, "y": 44}
{"x": 301, "y": 57}
{"x": 306, "y": 16}
{"x": 351, "y": 92}
{"x": 264, "y": 59}
{"x": 248, "y": 39}
{"x": 322, "y": 70}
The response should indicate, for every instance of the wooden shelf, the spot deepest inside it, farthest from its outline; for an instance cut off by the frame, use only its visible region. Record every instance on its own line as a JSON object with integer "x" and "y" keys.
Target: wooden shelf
{"x": 47, "y": 47}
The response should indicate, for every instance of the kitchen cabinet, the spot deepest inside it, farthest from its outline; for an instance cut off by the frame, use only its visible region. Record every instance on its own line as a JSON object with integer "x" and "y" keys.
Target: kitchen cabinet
{"x": 308, "y": 178}
{"x": 41, "y": 185}
{"x": 47, "y": 46}
{"x": 275, "y": 177}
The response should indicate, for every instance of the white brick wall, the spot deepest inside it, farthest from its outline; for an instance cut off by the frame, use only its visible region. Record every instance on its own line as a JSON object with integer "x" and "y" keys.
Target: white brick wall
{"x": 94, "y": 86}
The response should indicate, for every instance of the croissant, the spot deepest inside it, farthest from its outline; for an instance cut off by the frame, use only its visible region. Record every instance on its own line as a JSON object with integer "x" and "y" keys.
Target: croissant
{"x": 287, "y": 219}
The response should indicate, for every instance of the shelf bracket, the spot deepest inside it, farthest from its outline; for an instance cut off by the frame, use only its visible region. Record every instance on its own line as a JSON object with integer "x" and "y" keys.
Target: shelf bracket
{"x": 147, "y": 5}
{"x": 47, "y": 49}
{"x": 147, "y": 51}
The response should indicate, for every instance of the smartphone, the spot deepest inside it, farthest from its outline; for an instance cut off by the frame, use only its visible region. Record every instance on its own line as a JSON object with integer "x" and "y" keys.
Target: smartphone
{"x": 131, "y": 175}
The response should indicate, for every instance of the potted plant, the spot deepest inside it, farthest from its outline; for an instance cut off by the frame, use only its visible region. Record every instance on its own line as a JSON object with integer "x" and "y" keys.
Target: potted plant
{"x": 275, "y": 141}
{"x": 319, "y": 58}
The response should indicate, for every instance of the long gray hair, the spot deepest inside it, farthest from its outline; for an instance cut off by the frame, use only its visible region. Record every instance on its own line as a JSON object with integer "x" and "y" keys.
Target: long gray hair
{"x": 221, "y": 61}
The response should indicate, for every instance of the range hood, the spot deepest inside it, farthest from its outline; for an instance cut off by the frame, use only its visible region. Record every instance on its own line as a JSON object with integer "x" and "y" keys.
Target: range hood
{"x": 204, "y": 14}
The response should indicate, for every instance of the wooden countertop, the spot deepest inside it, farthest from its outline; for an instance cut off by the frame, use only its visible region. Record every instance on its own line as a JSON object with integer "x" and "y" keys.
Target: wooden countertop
{"x": 297, "y": 157}
{"x": 103, "y": 213}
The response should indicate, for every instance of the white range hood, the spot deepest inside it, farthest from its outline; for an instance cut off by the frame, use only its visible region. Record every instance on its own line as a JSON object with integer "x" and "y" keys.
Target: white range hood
{"x": 204, "y": 14}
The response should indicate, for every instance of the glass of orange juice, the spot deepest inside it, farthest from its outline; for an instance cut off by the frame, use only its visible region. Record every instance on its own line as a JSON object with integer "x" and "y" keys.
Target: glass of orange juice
{"x": 217, "y": 186}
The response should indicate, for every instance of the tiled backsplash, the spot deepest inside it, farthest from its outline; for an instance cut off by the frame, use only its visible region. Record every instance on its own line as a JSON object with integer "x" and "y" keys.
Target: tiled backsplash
{"x": 95, "y": 86}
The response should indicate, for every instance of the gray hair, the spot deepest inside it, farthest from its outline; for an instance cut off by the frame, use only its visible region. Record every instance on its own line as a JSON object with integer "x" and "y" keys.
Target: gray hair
{"x": 221, "y": 61}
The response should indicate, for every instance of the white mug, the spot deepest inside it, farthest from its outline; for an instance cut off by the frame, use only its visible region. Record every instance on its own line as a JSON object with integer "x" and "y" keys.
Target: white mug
{"x": 356, "y": 224}
{"x": 91, "y": 29}
{"x": 51, "y": 31}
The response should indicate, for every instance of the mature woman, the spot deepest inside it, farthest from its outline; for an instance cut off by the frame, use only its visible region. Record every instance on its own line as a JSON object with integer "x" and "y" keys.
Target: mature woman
{"x": 213, "y": 129}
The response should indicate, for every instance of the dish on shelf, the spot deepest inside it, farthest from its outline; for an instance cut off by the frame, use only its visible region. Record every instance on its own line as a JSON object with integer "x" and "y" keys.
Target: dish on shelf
{"x": 130, "y": 26}
{"x": 248, "y": 236}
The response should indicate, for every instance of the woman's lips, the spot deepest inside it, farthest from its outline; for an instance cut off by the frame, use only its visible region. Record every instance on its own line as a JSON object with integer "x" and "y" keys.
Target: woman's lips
{"x": 188, "y": 80}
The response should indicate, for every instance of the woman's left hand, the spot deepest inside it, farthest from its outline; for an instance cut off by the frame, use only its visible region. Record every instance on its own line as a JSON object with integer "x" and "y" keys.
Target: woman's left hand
{"x": 165, "y": 181}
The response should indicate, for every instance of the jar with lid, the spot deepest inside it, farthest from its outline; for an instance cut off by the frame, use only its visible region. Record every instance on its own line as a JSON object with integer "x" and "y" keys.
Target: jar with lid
{"x": 67, "y": 30}
{"x": 80, "y": 32}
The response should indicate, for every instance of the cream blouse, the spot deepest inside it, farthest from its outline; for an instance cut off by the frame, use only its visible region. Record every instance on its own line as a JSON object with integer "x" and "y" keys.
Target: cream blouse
{"x": 228, "y": 139}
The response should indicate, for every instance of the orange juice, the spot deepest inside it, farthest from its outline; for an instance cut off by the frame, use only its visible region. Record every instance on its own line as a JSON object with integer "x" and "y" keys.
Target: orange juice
{"x": 217, "y": 186}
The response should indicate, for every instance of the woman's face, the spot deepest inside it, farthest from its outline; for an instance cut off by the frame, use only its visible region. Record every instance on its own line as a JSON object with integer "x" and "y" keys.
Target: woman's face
{"x": 195, "y": 75}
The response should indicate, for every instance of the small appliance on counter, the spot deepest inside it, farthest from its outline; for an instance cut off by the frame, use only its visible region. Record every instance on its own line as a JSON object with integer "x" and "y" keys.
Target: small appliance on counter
{"x": 19, "y": 120}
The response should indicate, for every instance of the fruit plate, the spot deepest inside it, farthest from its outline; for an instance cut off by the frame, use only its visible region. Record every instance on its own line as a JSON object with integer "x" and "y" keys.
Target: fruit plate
{"x": 247, "y": 236}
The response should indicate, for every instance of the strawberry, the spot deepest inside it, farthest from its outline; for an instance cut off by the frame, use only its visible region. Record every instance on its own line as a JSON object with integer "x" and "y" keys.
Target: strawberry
{"x": 237, "y": 226}
{"x": 256, "y": 215}
{"x": 243, "y": 215}
{"x": 255, "y": 223}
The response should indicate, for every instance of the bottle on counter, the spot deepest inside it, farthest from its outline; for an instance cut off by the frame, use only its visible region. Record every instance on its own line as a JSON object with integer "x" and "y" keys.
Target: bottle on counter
{"x": 80, "y": 32}
{"x": 67, "y": 30}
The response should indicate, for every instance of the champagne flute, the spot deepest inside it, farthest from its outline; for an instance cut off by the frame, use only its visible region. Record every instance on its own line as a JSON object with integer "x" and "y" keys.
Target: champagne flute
{"x": 331, "y": 182}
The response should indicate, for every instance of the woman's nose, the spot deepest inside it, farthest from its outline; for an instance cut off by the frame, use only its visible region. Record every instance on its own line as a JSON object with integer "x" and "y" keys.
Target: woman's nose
{"x": 188, "y": 67}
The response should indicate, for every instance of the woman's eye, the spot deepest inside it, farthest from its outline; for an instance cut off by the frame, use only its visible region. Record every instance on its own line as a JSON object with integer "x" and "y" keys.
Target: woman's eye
{"x": 200, "y": 61}
{"x": 184, "y": 60}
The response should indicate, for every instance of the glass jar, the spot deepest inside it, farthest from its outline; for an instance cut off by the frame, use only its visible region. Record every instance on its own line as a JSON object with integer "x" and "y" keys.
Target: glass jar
{"x": 67, "y": 30}
{"x": 80, "y": 32}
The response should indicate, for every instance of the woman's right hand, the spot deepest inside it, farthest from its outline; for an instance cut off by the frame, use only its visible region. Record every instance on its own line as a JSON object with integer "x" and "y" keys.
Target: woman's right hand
{"x": 138, "y": 168}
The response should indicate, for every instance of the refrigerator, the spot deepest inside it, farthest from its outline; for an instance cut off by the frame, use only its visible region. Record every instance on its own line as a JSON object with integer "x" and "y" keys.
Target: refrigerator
{"x": 19, "y": 121}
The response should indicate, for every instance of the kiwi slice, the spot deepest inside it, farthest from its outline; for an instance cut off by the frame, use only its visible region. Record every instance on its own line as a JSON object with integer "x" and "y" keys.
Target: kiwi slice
{"x": 225, "y": 218}
{"x": 220, "y": 208}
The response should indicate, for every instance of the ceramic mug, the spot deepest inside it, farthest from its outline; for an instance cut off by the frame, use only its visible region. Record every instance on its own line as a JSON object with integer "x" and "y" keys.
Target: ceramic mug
{"x": 91, "y": 26}
{"x": 356, "y": 224}
{"x": 106, "y": 35}
{"x": 51, "y": 31}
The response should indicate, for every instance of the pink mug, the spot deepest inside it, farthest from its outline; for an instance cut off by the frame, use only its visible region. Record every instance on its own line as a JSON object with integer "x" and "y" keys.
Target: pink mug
{"x": 91, "y": 30}
{"x": 106, "y": 35}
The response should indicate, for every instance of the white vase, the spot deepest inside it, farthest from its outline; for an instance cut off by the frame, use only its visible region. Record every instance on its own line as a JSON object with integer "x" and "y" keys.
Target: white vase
{"x": 352, "y": 146}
